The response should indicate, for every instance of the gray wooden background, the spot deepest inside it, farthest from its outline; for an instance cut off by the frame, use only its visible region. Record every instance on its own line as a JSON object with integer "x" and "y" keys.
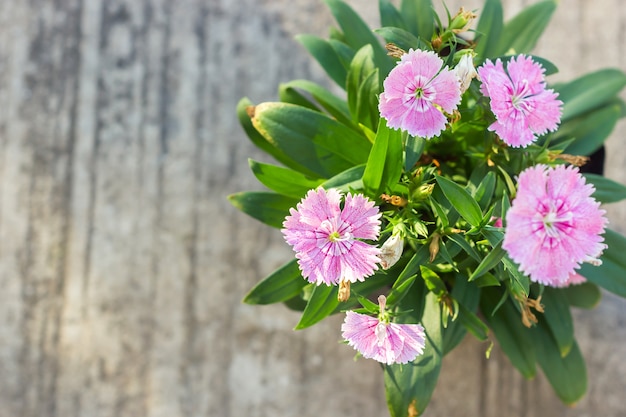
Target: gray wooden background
{"x": 122, "y": 265}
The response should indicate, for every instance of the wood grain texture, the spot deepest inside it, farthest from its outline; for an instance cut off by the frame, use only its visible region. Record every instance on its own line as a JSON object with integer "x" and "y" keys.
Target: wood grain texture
{"x": 122, "y": 265}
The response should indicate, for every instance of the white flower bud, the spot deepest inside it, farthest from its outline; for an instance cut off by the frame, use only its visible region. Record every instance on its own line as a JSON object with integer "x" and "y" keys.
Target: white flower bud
{"x": 391, "y": 251}
{"x": 465, "y": 71}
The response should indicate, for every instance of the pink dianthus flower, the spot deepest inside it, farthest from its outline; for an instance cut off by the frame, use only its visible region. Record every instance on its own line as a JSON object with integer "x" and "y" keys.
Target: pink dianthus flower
{"x": 554, "y": 224}
{"x": 376, "y": 338}
{"x": 324, "y": 236}
{"x": 416, "y": 91}
{"x": 523, "y": 106}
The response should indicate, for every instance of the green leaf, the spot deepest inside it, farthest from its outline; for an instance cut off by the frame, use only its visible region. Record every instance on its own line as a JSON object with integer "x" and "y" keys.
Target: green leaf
{"x": 408, "y": 275}
{"x": 522, "y": 32}
{"x": 281, "y": 285}
{"x": 413, "y": 149}
{"x": 335, "y": 106}
{"x": 433, "y": 282}
{"x": 567, "y": 375}
{"x": 283, "y": 180}
{"x": 485, "y": 190}
{"x": 589, "y": 130}
{"x": 589, "y": 91}
{"x": 357, "y": 34}
{"x": 409, "y": 387}
{"x": 585, "y": 295}
{"x": 493, "y": 258}
{"x": 389, "y": 15}
{"x": 269, "y": 208}
{"x": 243, "y": 108}
{"x": 399, "y": 37}
{"x": 610, "y": 275}
{"x": 514, "y": 339}
{"x": 325, "y": 55}
{"x": 464, "y": 244}
{"x": 558, "y": 319}
{"x": 419, "y": 16}
{"x": 303, "y": 133}
{"x": 384, "y": 164}
{"x": 322, "y": 303}
{"x": 363, "y": 88}
{"x": 467, "y": 296}
{"x": 607, "y": 190}
{"x": 519, "y": 283}
{"x": 461, "y": 200}
{"x": 489, "y": 29}
{"x": 350, "y": 178}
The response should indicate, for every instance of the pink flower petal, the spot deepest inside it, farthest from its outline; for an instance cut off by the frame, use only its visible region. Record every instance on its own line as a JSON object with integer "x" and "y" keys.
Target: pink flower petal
{"x": 386, "y": 343}
{"x": 414, "y": 92}
{"x": 554, "y": 224}
{"x": 324, "y": 236}
{"x": 523, "y": 107}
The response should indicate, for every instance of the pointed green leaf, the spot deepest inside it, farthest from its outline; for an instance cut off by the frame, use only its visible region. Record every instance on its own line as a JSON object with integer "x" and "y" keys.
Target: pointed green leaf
{"x": 590, "y": 130}
{"x": 567, "y": 375}
{"x": 461, "y": 200}
{"x": 607, "y": 190}
{"x": 489, "y": 29}
{"x": 281, "y": 285}
{"x": 243, "y": 107}
{"x": 399, "y": 37}
{"x": 419, "y": 16}
{"x": 301, "y": 133}
{"x": 408, "y": 275}
{"x": 322, "y": 303}
{"x": 610, "y": 275}
{"x": 335, "y": 106}
{"x": 558, "y": 318}
{"x": 589, "y": 91}
{"x": 350, "y": 178}
{"x": 389, "y": 15}
{"x": 269, "y": 208}
{"x": 433, "y": 282}
{"x": 493, "y": 258}
{"x": 363, "y": 87}
{"x": 384, "y": 164}
{"x": 514, "y": 339}
{"x": 283, "y": 180}
{"x": 409, "y": 387}
{"x": 522, "y": 32}
{"x": 585, "y": 295}
{"x": 413, "y": 149}
{"x": 325, "y": 55}
{"x": 357, "y": 34}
